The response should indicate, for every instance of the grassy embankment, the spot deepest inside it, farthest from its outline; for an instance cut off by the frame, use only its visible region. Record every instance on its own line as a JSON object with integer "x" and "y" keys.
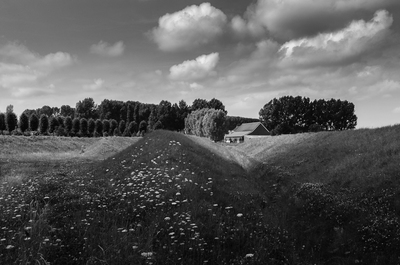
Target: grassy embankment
{"x": 172, "y": 199}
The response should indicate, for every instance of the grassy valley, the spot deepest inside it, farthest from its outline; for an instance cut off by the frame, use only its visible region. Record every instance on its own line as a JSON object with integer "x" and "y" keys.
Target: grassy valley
{"x": 323, "y": 198}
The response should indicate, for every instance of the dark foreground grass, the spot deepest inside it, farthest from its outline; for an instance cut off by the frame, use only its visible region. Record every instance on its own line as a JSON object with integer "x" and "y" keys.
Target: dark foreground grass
{"x": 169, "y": 200}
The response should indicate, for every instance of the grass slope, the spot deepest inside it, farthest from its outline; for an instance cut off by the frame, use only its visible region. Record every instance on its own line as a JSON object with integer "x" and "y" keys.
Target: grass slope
{"x": 173, "y": 199}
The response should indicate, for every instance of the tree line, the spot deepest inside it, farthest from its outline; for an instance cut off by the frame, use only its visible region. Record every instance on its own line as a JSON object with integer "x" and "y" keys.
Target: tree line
{"x": 110, "y": 118}
{"x": 290, "y": 114}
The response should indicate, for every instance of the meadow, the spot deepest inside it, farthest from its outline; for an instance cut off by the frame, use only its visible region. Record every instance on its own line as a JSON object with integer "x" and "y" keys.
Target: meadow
{"x": 168, "y": 198}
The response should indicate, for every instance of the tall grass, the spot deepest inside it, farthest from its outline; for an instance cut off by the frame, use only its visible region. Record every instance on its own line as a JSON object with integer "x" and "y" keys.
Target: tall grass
{"x": 170, "y": 199}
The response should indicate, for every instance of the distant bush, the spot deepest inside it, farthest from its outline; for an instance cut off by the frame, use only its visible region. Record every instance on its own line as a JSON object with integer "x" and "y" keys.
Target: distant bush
{"x": 113, "y": 126}
{"x": 91, "y": 126}
{"x": 43, "y": 124}
{"x": 99, "y": 127}
{"x": 33, "y": 122}
{"x": 83, "y": 127}
{"x": 53, "y": 124}
{"x": 23, "y": 122}
{"x": 11, "y": 121}
{"x": 75, "y": 125}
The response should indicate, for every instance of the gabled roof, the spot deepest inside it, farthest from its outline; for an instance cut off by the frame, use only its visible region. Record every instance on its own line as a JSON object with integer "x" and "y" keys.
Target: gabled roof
{"x": 247, "y": 127}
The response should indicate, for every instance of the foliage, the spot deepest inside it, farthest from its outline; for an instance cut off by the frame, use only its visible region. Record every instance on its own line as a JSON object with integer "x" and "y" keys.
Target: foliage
{"x": 67, "y": 110}
{"x": 43, "y": 124}
{"x": 106, "y": 126}
{"x": 75, "y": 125}
{"x": 33, "y": 122}
{"x": 2, "y": 122}
{"x": 296, "y": 114}
{"x": 207, "y": 123}
{"x": 158, "y": 125}
{"x": 83, "y": 126}
{"x": 68, "y": 124}
{"x": 91, "y": 126}
{"x": 121, "y": 126}
{"x": 113, "y": 126}
{"x": 11, "y": 121}
{"x": 86, "y": 108}
{"x": 23, "y": 122}
{"x": 99, "y": 127}
{"x": 143, "y": 126}
{"x": 53, "y": 124}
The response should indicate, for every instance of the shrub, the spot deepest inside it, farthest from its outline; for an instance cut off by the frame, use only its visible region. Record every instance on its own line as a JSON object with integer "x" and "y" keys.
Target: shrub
{"x": 91, "y": 126}
{"x": 99, "y": 127}
{"x": 43, "y": 124}
{"x": 75, "y": 125}
{"x": 11, "y": 121}
{"x": 106, "y": 126}
{"x": 33, "y": 122}
{"x": 2, "y": 122}
{"x": 23, "y": 122}
{"x": 121, "y": 126}
{"x": 83, "y": 127}
{"x": 158, "y": 125}
{"x": 53, "y": 124}
{"x": 113, "y": 126}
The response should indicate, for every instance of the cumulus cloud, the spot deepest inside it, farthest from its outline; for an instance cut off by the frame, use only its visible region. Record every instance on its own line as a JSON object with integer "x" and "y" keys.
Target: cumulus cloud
{"x": 196, "y": 69}
{"x": 95, "y": 85}
{"x": 355, "y": 39}
{"x": 189, "y": 28}
{"x": 105, "y": 49}
{"x": 21, "y": 69}
{"x": 288, "y": 19}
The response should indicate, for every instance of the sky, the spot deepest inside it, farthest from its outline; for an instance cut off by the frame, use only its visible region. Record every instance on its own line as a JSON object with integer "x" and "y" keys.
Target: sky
{"x": 242, "y": 52}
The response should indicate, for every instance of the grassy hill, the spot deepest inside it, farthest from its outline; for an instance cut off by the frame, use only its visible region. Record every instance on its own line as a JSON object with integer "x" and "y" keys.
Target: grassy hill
{"x": 174, "y": 199}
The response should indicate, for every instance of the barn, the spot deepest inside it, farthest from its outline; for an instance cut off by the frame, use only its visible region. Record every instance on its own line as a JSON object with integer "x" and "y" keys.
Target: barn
{"x": 245, "y": 130}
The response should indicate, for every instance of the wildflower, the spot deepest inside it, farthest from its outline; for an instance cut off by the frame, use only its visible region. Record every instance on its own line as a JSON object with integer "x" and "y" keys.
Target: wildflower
{"x": 10, "y": 247}
{"x": 167, "y": 218}
{"x": 135, "y": 247}
{"x": 249, "y": 256}
{"x": 147, "y": 254}
{"x": 239, "y": 215}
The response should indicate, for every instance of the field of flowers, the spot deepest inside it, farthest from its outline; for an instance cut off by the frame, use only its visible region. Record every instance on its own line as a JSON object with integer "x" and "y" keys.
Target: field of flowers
{"x": 168, "y": 200}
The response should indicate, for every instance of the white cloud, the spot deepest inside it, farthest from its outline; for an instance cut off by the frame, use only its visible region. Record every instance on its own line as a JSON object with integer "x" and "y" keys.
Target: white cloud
{"x": 189, "y": 28}
{"x": 95, "y": 85}
{"x": 353, "y": 40}
{"x": 22, "y": 69}
{"x": 105, "y": 49}
{"x": 198, "y": 68}
{"x": 288, "y": 19}
{"x": 396, "y": 110}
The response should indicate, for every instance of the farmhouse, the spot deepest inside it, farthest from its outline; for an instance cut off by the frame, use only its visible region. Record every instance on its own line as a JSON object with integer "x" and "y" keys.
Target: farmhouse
{"x": 247, "y": 130}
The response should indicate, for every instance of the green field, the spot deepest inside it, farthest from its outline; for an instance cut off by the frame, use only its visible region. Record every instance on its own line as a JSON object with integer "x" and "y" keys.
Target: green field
{"x": 168, "y": 198}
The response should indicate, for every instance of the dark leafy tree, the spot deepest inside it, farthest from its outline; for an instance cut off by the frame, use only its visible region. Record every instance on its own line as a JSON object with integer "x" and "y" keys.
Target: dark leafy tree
{"x": 143, "y": 126}
{"x": 158, "y": 125}
{"x": 43, "y": 124}
{"x": 23, "y": 122}
{"x": 132, "y": 128}
{"x": 86, "y": 108}
{"x": 53, "y": 124}
{"x": 33, "y": 122}
{"x": 296, "y": 114}
{"x": 11, "y": 121}
{"x": 83, "y": 126}
{"x": 75, "y": 125}
{"x": 106, "y": 127}
{"x": 47, "y": 110}
{"x": 199, "y": 104}
{"x": 91, "y": 126}
{"x": 129, "y": 113}
{"x": 60, "y": 120}
{"x": 152, "y": 119}
{"x": 68, "y": 124}
{"x": 121, "y": 126}
{"x": 67, "y": 110}
{"x": 2, "y": 122}
{"x": 99, "y": 127}
{"x": 113, "y": 126}
{"x": 29, "y": 112}
{"x": 10, "y": 108}
{"x": 216, "y": 104}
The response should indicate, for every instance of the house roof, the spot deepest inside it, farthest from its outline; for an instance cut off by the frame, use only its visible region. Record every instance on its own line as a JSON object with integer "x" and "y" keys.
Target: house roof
{"x": 247, "y": 127}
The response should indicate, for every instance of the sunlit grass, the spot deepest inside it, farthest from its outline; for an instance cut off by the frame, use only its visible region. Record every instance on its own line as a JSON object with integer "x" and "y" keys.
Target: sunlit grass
{"x": 169, "y": 200}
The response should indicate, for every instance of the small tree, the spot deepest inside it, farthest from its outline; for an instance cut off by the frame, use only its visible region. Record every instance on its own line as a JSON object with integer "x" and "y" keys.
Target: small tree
{"x": 113, "y": 126}
{"x": 83, "y": 124}
{"x": 23, "y": 122}
{"x": 158, "y": 125}
{"x": 11, "y": 121}
{"x": 75, "y": 125}
{"x": 99, "y": 127}
{"x": 2, "y": 122}
{"x": 43, "y": 124}
{"x": 106, "y": 127}
{"x": 121, "y": 126}
{"x": 60, "y": 120}
{"x": 33, "y": 122}
{"x": 143, "y": 127}
{"x": 132, "y": 128}
{"x": 68, "y": 125}
{"x": 53, "y": 124}
{"x": 91, "y": 126}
